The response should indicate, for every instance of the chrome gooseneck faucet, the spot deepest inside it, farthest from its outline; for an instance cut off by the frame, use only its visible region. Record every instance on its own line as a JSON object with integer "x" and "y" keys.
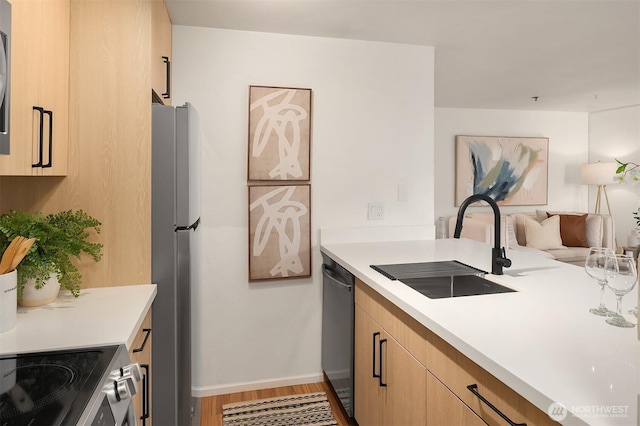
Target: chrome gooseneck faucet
{"x": 498, "y": 256}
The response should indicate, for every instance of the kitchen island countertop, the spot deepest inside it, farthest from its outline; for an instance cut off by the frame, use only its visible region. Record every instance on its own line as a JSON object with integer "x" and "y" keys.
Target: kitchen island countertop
{"x": 98, "y": 317}
{"x": 541, "y": 341}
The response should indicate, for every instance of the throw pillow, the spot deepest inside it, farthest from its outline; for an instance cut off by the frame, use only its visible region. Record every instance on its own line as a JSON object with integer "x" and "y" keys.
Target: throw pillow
{"x": 572, "y": 229}
{"x": 545, "y": 235}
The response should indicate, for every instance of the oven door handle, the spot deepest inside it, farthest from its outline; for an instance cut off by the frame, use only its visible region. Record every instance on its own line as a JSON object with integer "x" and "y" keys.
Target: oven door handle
{"x": 131, "y": 417}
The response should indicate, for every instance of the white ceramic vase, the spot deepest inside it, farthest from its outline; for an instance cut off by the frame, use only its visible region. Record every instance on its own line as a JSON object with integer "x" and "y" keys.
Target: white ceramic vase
{"x": 43, "y": 296}
{"x": 633, "y": 240}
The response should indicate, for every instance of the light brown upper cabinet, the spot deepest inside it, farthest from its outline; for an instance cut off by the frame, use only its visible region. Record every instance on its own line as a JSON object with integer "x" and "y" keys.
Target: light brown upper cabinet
{"x": 39, "y": 89}
{"x": 161, "y": 52}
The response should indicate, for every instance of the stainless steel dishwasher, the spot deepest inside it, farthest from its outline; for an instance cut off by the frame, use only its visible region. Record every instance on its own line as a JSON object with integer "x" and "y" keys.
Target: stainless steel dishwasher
{"x": 338, "y": 289}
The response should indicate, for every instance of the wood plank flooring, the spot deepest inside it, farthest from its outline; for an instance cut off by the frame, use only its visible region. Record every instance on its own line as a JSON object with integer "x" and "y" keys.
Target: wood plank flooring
{"x": 211, "y": 407}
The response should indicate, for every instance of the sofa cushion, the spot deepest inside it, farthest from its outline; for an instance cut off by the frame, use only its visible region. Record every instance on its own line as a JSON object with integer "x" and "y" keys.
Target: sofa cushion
{"x": 545, "y": 235}
{"x": 511, "y": 239}
{"x": 576, "y": 255}
{"x": 518, "y": 221}
{"x": 572, "y": 229}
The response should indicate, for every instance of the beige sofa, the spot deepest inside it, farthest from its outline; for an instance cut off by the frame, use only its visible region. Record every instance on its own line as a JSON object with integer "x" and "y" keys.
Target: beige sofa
{"x": 565, "y": 243}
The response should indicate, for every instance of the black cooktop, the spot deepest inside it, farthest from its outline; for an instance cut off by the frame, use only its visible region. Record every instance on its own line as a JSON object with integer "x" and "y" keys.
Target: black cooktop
{"x": 50, "y": 388}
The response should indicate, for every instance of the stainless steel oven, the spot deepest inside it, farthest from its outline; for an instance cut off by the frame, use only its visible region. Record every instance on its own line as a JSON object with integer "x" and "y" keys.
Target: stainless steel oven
{"x": 5, "y": 74}
{"x": 89, "y": 386}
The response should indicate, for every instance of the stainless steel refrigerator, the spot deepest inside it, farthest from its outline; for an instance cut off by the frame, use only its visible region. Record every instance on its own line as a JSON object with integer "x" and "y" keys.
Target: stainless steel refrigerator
{"x": 175, "y": 212}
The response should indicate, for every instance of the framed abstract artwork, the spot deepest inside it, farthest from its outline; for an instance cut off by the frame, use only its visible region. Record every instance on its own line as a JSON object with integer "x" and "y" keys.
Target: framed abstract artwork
{"x": 279, "y": 134}
{"x": 511, "y": 170}
{"x": 279, "y": 231}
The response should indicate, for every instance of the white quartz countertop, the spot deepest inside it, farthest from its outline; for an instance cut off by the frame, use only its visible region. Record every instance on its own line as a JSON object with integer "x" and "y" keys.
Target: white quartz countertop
{"x": 98, "y": 317}
{"x": 542, "y": 341}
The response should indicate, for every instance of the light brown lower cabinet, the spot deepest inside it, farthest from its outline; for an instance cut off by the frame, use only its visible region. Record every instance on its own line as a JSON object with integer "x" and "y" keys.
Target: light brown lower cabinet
{"x": 391, "y": 388}
{"x": 406, "y": 375}
{"x": 140, "y": 352}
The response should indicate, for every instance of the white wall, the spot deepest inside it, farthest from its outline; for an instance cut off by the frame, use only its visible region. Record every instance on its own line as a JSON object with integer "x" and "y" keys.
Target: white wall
{"x": 568, "y": 150}
{"x": 616, "y": 134}
{"x": 372, "y": 130}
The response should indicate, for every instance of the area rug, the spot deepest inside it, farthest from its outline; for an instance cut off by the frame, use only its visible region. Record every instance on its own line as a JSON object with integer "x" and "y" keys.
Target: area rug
{"x": 311, "y": 409}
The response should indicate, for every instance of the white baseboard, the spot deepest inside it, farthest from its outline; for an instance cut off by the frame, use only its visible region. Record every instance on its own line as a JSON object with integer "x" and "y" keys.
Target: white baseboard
{"x": 249, "y": 386}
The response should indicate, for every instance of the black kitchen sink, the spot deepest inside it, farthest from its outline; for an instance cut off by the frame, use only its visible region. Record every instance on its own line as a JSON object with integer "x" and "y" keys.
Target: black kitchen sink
{"x": 442, "y": 279}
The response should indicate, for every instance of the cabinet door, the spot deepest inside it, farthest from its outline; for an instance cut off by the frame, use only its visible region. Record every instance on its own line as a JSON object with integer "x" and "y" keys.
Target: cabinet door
{"x": 54, "y": 85}
{"x": 140, "y": 352}
{"x": 39, "y": 78}
{"x": 390, "y": 384}
{"x": 368, "y": 395}
{"x": 161, "y": 51}
{"x": 26, "y": 38}
{"x": 406, "y": 391}
{"x": 446, "y": 409}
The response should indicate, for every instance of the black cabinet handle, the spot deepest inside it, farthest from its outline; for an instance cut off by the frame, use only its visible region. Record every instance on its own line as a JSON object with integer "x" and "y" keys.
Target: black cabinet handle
{"x": 373, "y": 364}
{"x": 167, "y": 63}
{"x": 147, "y": 332}
{"x": 145, "y": 394}
{"x": 382, "y": 384}
{"x": 50, "y": 114}
{"x": 41, "y": 141}
{"x": 474, "y": 390}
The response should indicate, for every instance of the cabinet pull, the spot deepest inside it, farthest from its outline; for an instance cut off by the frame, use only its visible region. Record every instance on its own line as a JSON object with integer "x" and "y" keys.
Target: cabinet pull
{"x": 373, "y": 349}
{"x": 145, "y": 394}
{"x": 167, "y": 63}
{"x": 40, "y": 137}
{"x": 382, "y": 384}
{"x": 474, "y": 390}
{"x": 50, "y": 114}
{"x": 147, "y": 332}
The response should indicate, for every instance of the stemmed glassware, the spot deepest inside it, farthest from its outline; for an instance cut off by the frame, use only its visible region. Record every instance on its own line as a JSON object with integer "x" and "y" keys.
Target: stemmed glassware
{"x": 622, "y": 276}
{"x": 594, "y": 266}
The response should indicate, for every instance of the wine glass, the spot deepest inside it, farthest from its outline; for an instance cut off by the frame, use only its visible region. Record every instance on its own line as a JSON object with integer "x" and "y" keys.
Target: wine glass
{"x": 622, "y": 276}
{"x": 594, "y": 266}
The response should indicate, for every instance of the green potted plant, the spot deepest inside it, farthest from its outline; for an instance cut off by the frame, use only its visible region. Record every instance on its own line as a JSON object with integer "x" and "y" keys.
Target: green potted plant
{"x": 59, "y": 237}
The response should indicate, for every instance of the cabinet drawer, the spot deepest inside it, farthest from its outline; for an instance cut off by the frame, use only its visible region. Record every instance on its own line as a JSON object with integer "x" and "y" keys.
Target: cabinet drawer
{"x": 446, "y": 409}
{"x": 457, "y": 372}
{"x": 406, "y": 330}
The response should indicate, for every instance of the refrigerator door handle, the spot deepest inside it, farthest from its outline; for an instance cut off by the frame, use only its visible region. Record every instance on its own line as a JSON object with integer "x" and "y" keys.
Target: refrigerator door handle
{"x": 193, "y": 226}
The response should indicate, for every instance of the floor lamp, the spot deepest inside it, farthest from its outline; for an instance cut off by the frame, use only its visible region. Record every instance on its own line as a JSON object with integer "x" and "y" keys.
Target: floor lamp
{"x": 599, "y": 174}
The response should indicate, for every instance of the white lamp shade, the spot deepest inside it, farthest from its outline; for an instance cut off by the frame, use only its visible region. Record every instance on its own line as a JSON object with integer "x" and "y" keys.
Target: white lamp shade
{"x": 598, "y": 173}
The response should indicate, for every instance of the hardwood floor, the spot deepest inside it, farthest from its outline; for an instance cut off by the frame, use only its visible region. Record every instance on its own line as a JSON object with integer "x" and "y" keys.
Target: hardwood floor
{"x": 211, "y": 407}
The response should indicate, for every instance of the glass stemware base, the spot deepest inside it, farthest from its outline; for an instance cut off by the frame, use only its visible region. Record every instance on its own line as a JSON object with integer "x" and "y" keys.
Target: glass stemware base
{"x": 620, "y": 321}
{"x": 602, "y": 311}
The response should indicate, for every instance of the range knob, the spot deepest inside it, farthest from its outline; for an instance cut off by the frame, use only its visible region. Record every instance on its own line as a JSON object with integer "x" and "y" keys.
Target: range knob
{"x": 122, "y": 388}
{"x": 132, "y": 370}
